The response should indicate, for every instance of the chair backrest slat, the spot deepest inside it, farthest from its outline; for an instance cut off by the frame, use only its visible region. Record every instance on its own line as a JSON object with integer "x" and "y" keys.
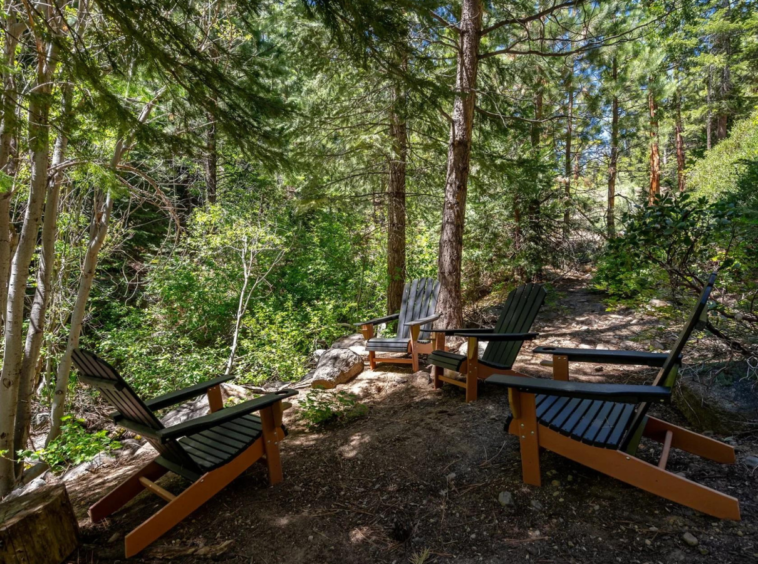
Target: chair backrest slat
{"x": 122, "y": 397}
{"x": 672, "y": 361}
{"x": 519, "y": 312}
{"x": 419, "y": 301}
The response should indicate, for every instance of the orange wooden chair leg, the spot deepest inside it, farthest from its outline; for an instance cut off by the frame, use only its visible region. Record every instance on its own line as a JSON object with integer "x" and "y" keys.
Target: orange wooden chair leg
{"x": 471, "y": 387}
{"x": 528, "y": 434}
{"x": 190, "y": 499}
{"x": 372, "y": 360}
{"x": 271, "y": 446}
{"x": 643, "y": 475}
{"x": 125, "y": 492}
{"x": 689, "y": 441}
{"x": 215, "y": 401}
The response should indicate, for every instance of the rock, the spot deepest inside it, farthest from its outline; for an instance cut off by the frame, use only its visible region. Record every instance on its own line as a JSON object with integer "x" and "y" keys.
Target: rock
{"x": 599, "y": 369}
{"x": 114, "y": 537}
{"x": 463, "y": 349}
{"x": 354, "y": 342}
{"x": 751, "y": 461}
{"x": 131, "y": 444}
{"x": 657, "y": 345}
{"x": 506, "y": 499}
{"x": 690, "y": 539}
{"x": 537, "y": 505}
{"x": 40, "y": 420}
{"x": 77, "y": 472}
{"x": 336, "y": 366}
{"x": 658, "y": 303}
{"x": 727, "y": 406}
{"x": 677, "y": 556}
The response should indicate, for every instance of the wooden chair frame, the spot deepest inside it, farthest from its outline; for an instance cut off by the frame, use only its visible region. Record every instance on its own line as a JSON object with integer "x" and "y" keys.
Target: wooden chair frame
{"x": 180, "y": 506}
{"x": 623, "y": 465}
{"x": 519, "y": 312}
{"x": 416, "y": 347}
{"x": 615, "y": 456}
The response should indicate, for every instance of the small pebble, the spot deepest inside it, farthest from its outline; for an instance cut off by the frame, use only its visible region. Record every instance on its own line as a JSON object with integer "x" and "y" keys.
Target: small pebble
{"x": 690, "y": 539}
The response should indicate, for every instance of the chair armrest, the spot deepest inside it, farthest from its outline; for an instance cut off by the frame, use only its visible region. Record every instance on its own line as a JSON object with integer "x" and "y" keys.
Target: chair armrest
{"x": 478, "y": 331}
{"x": 224, "y": 415}
{"x": 603, "y": 356}
{"x": 622, "y": 393}
{"x": 378, "y": 320}
{"x": 424, "y": 320}
{"x": 179, "y": 396}
{"x": 499, "y": 336}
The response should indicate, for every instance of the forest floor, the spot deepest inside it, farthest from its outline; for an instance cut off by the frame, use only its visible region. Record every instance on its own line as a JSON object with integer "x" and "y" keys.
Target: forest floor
{"x": 422, "y": 471}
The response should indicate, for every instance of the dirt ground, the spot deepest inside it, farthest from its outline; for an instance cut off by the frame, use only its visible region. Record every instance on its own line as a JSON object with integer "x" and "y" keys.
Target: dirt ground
{"x": 421, "y": 473}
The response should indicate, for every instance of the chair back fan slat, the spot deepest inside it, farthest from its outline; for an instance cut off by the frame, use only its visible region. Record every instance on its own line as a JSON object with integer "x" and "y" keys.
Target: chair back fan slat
{"x": 673, "y": 358}
{"x": 129, "y": 404}
{"x": 419, "y": 301}
{"x": 519, "y": 312}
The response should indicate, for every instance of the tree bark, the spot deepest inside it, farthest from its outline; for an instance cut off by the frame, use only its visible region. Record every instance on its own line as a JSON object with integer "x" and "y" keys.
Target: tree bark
{"x": 396, "y": 205}
{"x": 211, "y": 162}
{"x": 680, "y": 154}
{"x": 8, "y": 130}
{"x": 450, "y": 303}
{"x": 655, "y": 158}
{"x": 567, "y": 170}
{"x": 709, "y": 113}
{"x": 38, "y": 313}
{"x": 39, "y": 146}
{"x": 610, "y": 219}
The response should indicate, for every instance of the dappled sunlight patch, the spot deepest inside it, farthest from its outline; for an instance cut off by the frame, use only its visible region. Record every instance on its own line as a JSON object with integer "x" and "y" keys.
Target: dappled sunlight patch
{"x": 354, "y": 443}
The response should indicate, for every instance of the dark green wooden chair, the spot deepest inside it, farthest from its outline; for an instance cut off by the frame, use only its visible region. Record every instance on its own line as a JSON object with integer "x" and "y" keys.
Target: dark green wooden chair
{"x": 209, "y": 451}
{"x": 414, "y": 323}
{"x": 601, "y": 425}
{"x": 504, "y": 342}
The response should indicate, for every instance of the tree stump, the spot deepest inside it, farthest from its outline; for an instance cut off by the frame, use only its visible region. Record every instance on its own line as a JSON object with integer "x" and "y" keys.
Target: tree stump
{"x": 38, "y": 528}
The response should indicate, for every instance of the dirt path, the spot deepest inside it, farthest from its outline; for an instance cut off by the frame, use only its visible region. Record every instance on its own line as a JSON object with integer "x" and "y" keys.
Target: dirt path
{"x": 422, "y": 471}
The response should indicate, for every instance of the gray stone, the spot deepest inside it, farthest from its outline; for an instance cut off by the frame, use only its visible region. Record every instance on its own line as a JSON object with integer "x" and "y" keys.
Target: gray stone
{"x": 726, "y": 407}
{"x": 506, "y": 499}
{"x": 690, "y": 539}
{"x": 599, "y": 369}
{"x": 537, "y": 505}
{"x": 751, "y": 461}
{"x": 336, "y": 366}
{"x": 40, "y": 419}
{"x": 658, "y": 345}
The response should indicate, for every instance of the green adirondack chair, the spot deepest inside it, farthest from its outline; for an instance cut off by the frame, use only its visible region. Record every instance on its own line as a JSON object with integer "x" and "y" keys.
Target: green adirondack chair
{"x": 504, "y": 342}
{"x": 601, "y": 425}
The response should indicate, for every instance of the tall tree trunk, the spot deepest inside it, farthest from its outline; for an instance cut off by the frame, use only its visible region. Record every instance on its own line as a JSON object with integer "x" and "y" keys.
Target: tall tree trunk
{"x": 709, "y": 113}
{"x": 8, "y": 130}
{"x": 396, "y": 205}
{"x": 680, "y": 155}
{"x": 39, "y": 147}
{"x": 450, "y": 303}
{"x": 211, "y": 162}
{"x": 610, "y": 218}
{"x": 101, "y": 213}
{"x": 567, "y": 165}
{"x": 35, "y": 333}
{"x": 655, "y": 159}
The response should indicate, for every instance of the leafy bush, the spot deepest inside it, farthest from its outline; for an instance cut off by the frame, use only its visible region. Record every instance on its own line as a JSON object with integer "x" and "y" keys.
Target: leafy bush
{"x": 75, "y": 446}
{"x": 321, "y": 408}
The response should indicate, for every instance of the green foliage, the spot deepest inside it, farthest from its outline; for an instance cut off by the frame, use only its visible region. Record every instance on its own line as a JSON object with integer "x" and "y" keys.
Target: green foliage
{"x": 321, "y": 407}
{"x": 75, "y": 446}
{"x": 681, "y": 236}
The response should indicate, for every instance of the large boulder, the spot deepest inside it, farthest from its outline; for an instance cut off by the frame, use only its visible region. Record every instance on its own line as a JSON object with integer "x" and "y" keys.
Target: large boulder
{"x": 354, "y": 342}
{"x": 725, "y": 406}
{"x": 336, "y": 366}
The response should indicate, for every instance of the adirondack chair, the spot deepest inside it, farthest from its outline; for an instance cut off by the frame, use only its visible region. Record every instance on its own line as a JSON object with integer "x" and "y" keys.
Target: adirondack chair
{"x": 504, "y": 342}
{"x": 209, "y": 451}
{"x": 601, "y": 425}
{"x": 413, "y": 327}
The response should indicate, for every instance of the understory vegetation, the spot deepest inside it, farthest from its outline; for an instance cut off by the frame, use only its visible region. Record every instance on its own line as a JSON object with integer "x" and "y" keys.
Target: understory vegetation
{"x": 190, "y": 189}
